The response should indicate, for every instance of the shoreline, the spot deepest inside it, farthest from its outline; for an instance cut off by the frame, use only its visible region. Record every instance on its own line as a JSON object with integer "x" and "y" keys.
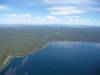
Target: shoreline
{"x": 10, "y": 58}
{"x": 6, "y": 62}
{"x": 7, "y": 59}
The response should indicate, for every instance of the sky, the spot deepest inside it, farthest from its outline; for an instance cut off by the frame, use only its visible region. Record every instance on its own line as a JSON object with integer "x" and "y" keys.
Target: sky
{"x": 39, "y": 12}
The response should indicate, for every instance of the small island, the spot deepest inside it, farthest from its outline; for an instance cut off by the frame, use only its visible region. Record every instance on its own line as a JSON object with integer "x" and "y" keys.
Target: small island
{"x": 23, "y": 40}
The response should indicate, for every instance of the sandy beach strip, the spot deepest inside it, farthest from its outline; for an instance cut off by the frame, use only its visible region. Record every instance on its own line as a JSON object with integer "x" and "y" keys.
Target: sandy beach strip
{"x": 7, "y": 59}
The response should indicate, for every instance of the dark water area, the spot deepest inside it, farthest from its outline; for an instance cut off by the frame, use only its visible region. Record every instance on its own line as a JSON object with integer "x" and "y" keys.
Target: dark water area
{"x": 59, "y": 58}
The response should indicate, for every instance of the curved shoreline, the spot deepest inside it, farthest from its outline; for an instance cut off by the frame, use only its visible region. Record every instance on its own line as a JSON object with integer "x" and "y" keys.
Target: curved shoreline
{"x": 10, "y": 58}
{"x": 7, "y": 59}
{"x": 6, "y": 62}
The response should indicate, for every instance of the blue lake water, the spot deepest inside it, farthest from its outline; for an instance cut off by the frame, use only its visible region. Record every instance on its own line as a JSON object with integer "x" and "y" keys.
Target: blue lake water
{"x": 59, "y": 58}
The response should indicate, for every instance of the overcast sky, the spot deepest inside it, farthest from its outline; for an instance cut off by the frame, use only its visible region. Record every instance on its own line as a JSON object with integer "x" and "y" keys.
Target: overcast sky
{"x": 66, "y": 12}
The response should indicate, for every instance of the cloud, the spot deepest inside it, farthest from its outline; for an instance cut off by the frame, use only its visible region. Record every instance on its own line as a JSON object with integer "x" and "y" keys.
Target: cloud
{"x": 75, "y": 20}
{"x": 18, "y": 19}
{"x": 21, "y": 15}
{"x": 28, "y": 14}
{"x": 93, "y": 9}
{"x": 68, "y": 17}
{"x": 55, "y": 1}
{"x": 2, "y": 7}
{"x": 49, "y": 19}
{"x": 13, "y": 15}
{"x": 70, "y": 1}
{"x": 28, "y": 19}
{"x": 65, "y": 10}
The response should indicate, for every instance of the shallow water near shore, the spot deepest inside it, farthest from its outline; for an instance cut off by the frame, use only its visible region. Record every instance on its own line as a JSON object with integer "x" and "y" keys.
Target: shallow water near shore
{"x": 58, "y": 58}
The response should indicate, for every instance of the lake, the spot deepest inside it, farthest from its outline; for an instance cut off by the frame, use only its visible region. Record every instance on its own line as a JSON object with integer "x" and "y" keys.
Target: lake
{"x": 58, "y": 58}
